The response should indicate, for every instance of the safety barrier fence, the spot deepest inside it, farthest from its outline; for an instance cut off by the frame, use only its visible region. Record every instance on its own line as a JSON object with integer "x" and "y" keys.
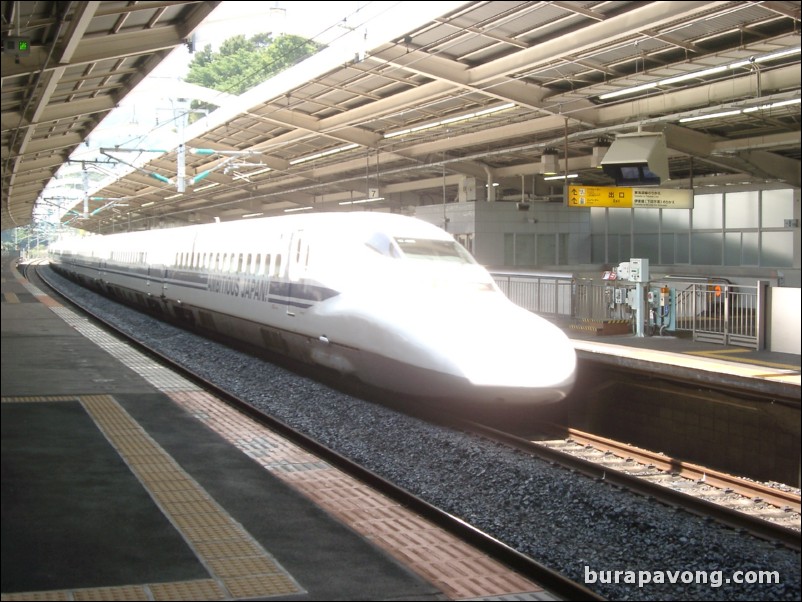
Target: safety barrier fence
{"x": 712, "y": 310}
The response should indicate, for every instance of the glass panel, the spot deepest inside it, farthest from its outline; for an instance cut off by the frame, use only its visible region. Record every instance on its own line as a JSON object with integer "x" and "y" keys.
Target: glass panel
{"x": 750, "y": 248}
{"x": 646, "y": 220}
{"x": 546, "y": 249}
{"x": 741, "y": 210}
{"x": 619, "y": 220}
{"x": 706, "y": 249}
{"x": 646, "y": 246}
{"x": 525, "y": 249}
{"x": 598, "y": 220}
{"x": 625, "y": 248}
{"x": 777, "y": 250}
{"x": 509, "y": 249}
{"x": 667, "y": 248}
{"x": 597, "y": 251}
{"x": 562, "y": 242}
{"x": 707, "y": 212}
{"x": 676, "y": 220}
{"x": 777, "y": 206}
{"x": 732, "y": 248}
{"x": 682, "y": 249}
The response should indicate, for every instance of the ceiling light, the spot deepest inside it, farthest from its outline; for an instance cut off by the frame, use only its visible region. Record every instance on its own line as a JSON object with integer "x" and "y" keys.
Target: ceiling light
{"x": 562, "y": 177}
{"x": 323, "y": 154}
{"x": 361, "y": 201}
{"x": 782, "y": 103}
{"x": 774, "y": 105}
{"x": 298, "y": 209}
{"x": 703, "y": 73}
{"x": 710, "y": 116}
{"x": 450, "y": 120}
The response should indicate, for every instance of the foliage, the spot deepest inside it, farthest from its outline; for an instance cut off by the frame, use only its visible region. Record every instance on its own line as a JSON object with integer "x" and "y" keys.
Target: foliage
{"x": 242, "y": 63}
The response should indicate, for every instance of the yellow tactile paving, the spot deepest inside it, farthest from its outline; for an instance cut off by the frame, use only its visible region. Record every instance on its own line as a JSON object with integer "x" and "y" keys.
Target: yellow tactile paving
{"x": 206, "y": 589}
{"x": 239, "y": 567}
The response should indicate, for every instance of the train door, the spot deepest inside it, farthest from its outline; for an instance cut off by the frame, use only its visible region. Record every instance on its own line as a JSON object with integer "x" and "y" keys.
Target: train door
{"x": 296, "y": 271}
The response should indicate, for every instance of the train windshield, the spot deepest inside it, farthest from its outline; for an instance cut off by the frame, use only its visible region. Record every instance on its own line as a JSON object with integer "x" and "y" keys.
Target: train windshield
{"x": 429, "y": 249}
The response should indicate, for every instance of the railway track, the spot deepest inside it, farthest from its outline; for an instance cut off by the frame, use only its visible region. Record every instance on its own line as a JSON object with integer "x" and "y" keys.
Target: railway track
{"x": 529, "y": 568}
{"x": 767, "y": 512}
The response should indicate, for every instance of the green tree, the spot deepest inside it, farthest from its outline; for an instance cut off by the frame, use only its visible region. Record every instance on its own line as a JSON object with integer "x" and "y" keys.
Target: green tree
{"x": 242, "y": 63}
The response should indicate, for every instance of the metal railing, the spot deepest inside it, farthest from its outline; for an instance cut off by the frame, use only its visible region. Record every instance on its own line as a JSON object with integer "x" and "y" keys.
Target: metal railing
{"x": 712, "y": 310}
{"x": 549, "y": 295}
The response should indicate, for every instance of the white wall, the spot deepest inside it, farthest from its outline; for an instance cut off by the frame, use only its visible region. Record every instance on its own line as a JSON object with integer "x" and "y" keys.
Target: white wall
{"x": 784, "y": 321}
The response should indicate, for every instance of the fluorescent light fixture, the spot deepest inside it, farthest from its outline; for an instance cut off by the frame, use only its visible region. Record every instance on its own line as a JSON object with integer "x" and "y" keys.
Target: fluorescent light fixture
{"x": 247, "y": 215}
{"x": 361, "y": 201}
{"x": 694, "y": 75}
{"x": 703, "y": 73}
{"x": 172, "y": 196}
{"x": 628, "y": 91}
{"x": 323, "y": 154}
{"x": 774, "y": 105}
{"x": 143, "y": 205}
{"x": 207, "y": 186}
{"x": 297, "y": 209}
{"x": 245, "y": 176}
{"x": 782, "y": 103}
{"x": 710, "y": 116}
{"x": 450, "y": 120}
{"x": 562, "y": 177}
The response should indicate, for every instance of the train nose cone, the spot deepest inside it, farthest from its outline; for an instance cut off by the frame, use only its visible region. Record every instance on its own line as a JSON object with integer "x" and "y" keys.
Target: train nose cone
{"x": 520, "y": 355}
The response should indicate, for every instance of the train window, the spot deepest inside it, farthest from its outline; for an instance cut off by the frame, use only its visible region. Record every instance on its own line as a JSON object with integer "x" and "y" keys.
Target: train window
{"x": 277, "y": 267}
{"x": 240, "y": 263}
{"x": 268, "y": 267}
{"x": 381, "y": 243}
{"x": 423, "y": 248}
{"x": 249, "y": 264}
{"x": 257, "y": 263}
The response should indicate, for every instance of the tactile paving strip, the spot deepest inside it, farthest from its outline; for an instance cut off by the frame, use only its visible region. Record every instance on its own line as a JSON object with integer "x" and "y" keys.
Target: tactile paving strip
{"x": 239, "y": 567}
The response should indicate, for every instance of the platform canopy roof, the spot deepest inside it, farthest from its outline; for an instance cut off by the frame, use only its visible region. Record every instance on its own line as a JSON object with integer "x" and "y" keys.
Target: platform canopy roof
{"x": 469, "y": 104}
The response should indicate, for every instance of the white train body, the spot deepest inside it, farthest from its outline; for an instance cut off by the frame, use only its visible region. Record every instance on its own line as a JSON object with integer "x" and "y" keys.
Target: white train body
{"x": 391, "y": 300}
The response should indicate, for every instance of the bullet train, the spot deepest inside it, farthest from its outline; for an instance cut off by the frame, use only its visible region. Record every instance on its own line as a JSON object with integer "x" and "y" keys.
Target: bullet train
{"x": 391, "y": 300}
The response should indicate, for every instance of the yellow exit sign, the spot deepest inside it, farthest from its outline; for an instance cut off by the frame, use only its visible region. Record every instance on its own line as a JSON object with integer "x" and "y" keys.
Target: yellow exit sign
{"x": 626, "y": 197}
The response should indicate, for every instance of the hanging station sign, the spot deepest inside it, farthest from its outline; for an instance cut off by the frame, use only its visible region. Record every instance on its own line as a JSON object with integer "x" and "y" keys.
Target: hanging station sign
{"x": 626, "y": 197}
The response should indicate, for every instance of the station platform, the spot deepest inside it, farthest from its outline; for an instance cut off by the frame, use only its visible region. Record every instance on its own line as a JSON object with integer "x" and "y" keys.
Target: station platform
{"x": 739, "y": 368}
{"x": 120, "y": 481}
